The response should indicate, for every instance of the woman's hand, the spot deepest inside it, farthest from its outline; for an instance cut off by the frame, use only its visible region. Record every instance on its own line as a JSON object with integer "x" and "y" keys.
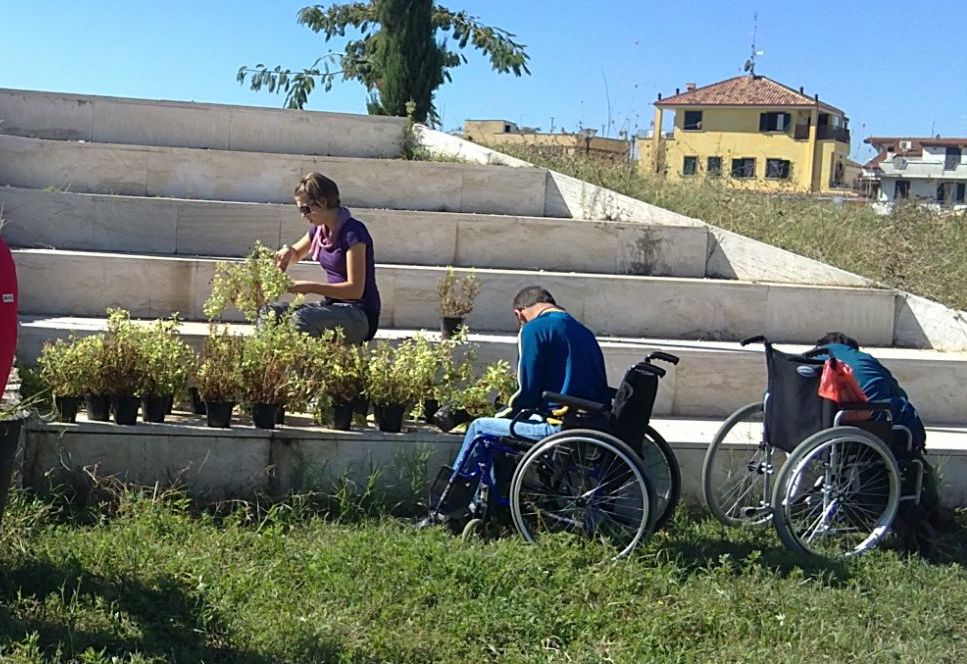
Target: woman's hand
{"x": 283, "y": 257}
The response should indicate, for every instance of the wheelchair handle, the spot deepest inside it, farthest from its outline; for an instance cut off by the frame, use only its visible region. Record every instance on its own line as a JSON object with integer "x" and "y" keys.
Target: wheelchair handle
{"x": 582, "y": 404}
{"x": 818, "y": 350}
{"x": 664, "y": 357}
{"x": 754, "y": 340}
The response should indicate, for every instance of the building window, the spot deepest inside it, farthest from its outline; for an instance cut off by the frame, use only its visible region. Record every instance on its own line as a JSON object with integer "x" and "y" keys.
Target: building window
{"x": 951, "y": 159}
{"x": 689, "y": 165}
{"x": 773, "y": 121}
{"x": 693, "y": 121}
{"x": 778, "y": 169}
{"x": 743, "y": 168}
{"x": 941, "y": 194}
{"x": 901, "y": 189}
{"x": 961, "y": 190}
{"x": 714, "y": 166}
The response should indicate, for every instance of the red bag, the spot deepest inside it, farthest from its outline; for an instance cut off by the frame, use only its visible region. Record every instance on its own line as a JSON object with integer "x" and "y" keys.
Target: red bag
{"x": 838, "y": 384}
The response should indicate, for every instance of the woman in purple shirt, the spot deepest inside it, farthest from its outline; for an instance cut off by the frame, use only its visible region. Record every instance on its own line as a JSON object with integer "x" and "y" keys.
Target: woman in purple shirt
{"x": 344, "y": 249}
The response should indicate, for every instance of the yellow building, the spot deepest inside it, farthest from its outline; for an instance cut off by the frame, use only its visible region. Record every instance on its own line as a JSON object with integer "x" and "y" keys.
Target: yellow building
{"x": 498, "y": 132}
{"x": 753, "y": 131}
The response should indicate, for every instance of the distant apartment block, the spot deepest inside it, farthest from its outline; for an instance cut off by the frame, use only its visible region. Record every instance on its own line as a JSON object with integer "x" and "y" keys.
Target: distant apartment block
{"x": 497, "y": 132}
{"x": 932, "y": 170}
{"x": 753, "y": 131}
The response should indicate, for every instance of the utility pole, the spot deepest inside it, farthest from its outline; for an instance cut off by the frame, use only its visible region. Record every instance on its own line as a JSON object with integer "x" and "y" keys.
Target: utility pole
{"x": 552, "y": 125}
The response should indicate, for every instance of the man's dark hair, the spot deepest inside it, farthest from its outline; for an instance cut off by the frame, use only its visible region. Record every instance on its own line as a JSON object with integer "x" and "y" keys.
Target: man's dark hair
{"x": 838, "y": 338}
{"x": 532, "y": 295}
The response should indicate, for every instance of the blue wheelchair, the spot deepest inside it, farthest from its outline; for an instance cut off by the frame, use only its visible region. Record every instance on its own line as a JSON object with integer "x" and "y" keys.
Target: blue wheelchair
{"x": 606, "y": 475}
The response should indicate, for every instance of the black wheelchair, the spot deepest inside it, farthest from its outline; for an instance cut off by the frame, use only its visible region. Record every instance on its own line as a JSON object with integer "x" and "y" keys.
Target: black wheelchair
{"x": 828, "y": 475}
{"x": 607, "y": 474}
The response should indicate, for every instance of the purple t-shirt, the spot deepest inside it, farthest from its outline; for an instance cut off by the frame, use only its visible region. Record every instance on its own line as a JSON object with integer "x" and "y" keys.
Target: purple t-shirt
{"x": 331, "y": 255}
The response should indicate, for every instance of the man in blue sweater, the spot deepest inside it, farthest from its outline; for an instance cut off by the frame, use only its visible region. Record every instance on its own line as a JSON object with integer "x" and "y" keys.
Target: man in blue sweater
{"x": 557, "y": 354}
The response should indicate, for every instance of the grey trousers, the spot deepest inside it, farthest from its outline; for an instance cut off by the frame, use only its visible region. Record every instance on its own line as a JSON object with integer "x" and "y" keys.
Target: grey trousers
{"x": 315, "y": 318}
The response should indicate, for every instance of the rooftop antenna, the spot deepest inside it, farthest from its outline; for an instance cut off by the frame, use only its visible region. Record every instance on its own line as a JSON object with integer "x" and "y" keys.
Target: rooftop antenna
{"x": 749, "y": 65}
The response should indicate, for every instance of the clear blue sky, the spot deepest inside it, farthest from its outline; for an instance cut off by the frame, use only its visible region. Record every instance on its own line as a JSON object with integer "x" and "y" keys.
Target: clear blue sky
{"x": 894, "y": 67}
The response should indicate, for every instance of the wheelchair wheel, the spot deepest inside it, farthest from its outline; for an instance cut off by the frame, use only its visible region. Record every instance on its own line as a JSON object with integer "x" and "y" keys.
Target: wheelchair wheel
{"x": 837, "y": 494}
{"x": 738, "y": 471}
{"x": 586, "y": 483}
{"x": 661, "y": 468}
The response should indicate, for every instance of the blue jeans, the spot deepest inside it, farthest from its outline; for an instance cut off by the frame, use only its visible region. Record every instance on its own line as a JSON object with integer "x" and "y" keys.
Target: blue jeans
{"x": 314, "y": 318}
{"x": 498, "y": 426}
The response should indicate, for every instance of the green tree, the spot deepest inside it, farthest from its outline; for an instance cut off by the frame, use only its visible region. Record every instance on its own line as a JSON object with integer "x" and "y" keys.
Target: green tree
{"x": 367, "y": 59}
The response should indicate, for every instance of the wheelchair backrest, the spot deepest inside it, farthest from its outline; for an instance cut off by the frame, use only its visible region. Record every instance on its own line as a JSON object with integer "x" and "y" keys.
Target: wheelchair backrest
{"x": 793, "y": 409}
{"x": 632, "y": 406}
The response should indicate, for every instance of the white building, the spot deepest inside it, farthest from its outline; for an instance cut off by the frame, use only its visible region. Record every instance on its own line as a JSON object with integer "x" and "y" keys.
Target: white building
{"x": 932, "y": 170}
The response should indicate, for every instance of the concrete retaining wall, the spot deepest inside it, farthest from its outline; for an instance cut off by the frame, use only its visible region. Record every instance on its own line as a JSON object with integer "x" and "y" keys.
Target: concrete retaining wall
{"x": 267, "y": 178}
{"x": 91, "y": 118}
{"x": 85, "y": 284}
{"x": 244, "y": 463}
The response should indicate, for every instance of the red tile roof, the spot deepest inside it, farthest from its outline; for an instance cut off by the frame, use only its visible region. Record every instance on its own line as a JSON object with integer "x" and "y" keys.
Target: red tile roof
{"x": 744, "y": 91}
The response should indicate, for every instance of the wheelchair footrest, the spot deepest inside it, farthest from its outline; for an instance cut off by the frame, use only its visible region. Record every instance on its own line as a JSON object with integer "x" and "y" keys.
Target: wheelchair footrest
{"x": 450, "y": 494}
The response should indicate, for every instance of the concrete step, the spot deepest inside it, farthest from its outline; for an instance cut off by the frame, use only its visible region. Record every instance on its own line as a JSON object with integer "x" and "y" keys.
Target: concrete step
{"x": 86, "y": 283}
{"x": 101, "y": 222}
{"x": 225, "y": 175}
{"x": 712, "y": 380}
{"x": 92, "y": 118}
{"x": 243, "y": 462}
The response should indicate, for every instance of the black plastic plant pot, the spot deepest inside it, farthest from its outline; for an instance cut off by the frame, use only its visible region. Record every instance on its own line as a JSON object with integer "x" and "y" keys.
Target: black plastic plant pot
{"x": 280, "y": 415}
{"x": 197, "y": 405}
{"x": 430, "y": 407}
{"x": 126, "y": 409}
{"x": 154, "y": 409}
{"x": 342, "y": 416}
{"x": 98, "y": 407}
{"x": 9, "y": 437}
{"x": 449, "y": 326}
{"x": 67, "y": 408}
{"x": 390, "y": 418}
{"x": 169, "y": 403}
{"x": 447, "y": 418}
{"x": 219, "y": 413}
{"x": 264, "y": 414}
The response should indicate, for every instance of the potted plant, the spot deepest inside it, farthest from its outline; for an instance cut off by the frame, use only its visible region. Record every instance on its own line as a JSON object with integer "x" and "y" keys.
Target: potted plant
{"x": 248, "y": 284}
{"x": 218, "y": 375}
{"x": 270, "y": 359}
{"x": 91, "y": 369}
{"x": 339, "y": 370}
{"x": 121, "y": 365}
{"x": 392, "y": 382}
{"x": 477, "y": 397}
{"x": 164, "y": 361}
{"x": 58, "y": 368}
{"x": 457, "y": 373}
{"x": 456, "y": 299}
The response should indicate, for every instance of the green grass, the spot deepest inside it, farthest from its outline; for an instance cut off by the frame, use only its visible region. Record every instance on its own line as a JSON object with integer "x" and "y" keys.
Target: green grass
{"x": 911, "y": 249}
{"x": 153, "y": 580}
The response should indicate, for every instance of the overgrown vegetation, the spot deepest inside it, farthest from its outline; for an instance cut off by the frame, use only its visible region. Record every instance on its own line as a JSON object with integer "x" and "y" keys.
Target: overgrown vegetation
{"x": 147, "y": 578}
{"x": 912, "y": 248}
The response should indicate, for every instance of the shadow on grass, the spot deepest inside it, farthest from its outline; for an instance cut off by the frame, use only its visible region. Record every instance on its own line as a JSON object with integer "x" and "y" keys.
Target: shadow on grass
{"x": 72, "y": 610}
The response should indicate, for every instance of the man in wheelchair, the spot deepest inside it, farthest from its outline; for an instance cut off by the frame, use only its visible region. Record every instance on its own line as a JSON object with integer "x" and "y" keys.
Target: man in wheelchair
{"x": 556, "y": 353}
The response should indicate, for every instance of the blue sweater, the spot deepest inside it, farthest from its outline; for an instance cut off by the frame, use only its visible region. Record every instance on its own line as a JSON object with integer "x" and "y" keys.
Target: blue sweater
{"x": 878, "y": 384}
{"x": 559, "y": 354}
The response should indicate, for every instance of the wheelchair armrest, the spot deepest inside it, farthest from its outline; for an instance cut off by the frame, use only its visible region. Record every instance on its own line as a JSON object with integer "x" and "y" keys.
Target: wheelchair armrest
{"x": 664, "y": 357}
{"x": 864, "y": 405}
{"x": 754, "y": 340}
{"x": 521, "y": 416}
{"x": 592, "y": 407}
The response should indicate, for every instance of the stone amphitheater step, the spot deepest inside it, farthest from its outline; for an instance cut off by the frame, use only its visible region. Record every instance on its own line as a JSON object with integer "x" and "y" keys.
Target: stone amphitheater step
{"x": 712, "y": 380}
{"x": 80, "y": 283}
{"x": 269, "y": 178}
{"x": 137, "y": 224}
{"x": 63, "y": 116}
